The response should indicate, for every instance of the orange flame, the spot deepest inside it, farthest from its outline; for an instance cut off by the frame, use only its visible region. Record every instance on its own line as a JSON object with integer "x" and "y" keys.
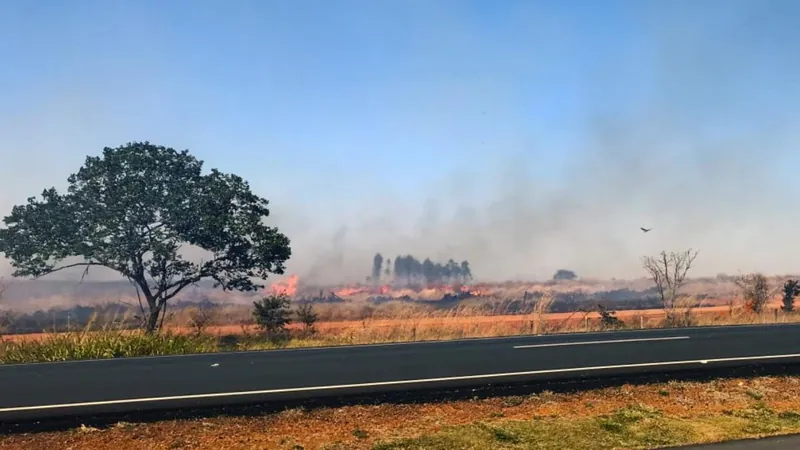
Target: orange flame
{"x": 387, "y": 290}
{"x": 472, "y": 291}
{"x": 350, "y": 291}
{"x": 285, "y": 287}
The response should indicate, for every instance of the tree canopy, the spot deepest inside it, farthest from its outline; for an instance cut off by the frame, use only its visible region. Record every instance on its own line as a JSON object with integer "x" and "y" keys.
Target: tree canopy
{"x": 133, "y": 209}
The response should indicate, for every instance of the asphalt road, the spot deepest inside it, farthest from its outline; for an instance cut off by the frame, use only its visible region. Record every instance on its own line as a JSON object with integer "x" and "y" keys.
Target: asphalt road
{"x": 773, "y": 443}
{"x": 35, "y": 391}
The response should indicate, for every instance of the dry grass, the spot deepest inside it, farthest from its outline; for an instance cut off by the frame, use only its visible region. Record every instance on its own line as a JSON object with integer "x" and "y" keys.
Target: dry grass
{"x": 113, "y": 341}
{"x": 224, "y": 328}
{"x": 630, "y": 416}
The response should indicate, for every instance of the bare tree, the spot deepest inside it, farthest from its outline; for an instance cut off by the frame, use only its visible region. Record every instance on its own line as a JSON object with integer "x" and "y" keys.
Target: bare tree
{"x": 668, "y": 272}
{"x": 755, "y": 290}
{"x": 201, "y": 317}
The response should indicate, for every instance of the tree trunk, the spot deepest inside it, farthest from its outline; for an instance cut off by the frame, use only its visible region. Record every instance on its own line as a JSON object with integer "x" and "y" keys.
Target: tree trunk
{"x": 152, "y": 319}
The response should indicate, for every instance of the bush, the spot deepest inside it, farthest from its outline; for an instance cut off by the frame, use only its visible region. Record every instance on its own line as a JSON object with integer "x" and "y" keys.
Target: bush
{"x": 609, "y": 319}
{"x": 200, "y": 318}
{"x": 755, "y": 290}
{"x": 272, "y": 315}
{"x": 307, "y": 316}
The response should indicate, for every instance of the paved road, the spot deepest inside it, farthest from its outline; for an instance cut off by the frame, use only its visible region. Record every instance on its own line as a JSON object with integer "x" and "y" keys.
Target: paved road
{"x": 774, "y": 443}
{"x": 131, "y": 384}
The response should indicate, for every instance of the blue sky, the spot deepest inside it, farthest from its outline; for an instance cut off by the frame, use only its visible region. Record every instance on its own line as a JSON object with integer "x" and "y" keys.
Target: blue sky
{"x": 349, "y": 115}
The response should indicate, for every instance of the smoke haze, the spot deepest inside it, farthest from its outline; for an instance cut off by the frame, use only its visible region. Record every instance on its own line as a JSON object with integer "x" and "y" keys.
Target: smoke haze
{"x": 702, "y": 157}
{"x": 702, "y": 149}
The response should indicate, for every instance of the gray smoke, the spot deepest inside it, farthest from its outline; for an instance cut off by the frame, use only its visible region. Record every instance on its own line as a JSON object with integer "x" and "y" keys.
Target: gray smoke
{"x": 703, "y": 155}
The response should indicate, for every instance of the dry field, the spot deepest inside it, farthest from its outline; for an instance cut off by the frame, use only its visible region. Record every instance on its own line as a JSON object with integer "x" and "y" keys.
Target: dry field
{"x": 357, "y": 321}
{"x": 454, "y": 327}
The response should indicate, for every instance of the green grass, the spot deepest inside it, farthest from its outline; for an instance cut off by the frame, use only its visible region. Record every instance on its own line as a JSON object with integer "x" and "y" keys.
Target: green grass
{"x": 634, "y": 427}
{"x": 103, "y": 345}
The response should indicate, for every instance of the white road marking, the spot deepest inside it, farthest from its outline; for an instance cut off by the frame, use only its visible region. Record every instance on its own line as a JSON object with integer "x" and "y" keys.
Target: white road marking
{"x": 392, "y": 383}
{"x": 612, "y": 341}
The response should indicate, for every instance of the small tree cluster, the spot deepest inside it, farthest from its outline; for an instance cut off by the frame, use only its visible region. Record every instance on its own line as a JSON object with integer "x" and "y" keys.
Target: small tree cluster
{"x": 273, "y": 314}
{"x": 408, "y": 270}
{"x": 377, "y": 264}
{"x": 564, "y": 274}
{"x": 791, "y": 289}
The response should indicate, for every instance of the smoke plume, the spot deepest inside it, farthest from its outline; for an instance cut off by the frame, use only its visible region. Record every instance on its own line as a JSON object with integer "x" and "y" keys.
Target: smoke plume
{"x": 540, "y": 141}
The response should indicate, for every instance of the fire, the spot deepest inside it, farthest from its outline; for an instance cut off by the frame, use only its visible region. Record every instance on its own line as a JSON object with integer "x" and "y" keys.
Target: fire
{"x": 387, "y": 290}
{"x": 471, "y": 290}
{"x": 289, "y": 286}
{"x": 350, "y": 291}
{"x": 285, "y": 287}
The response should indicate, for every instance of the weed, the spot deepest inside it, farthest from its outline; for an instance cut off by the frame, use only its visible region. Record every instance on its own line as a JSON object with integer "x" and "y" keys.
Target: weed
{"x": 754, "y": 394}
{"x": 360, "y": 434}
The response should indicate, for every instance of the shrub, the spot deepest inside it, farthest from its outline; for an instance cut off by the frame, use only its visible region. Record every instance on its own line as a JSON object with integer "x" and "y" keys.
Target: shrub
{"x": 272, "y": 315}
{"x": 200, "y": 318}
{"x": 609, "y": 319}
{"x": 791, "y": 289}
{"x": 307, "y": 316}
{"x": 755, "y": 290}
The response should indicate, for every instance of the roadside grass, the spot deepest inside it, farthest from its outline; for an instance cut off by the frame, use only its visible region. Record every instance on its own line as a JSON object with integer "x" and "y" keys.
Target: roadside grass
{"x": 632, "y": 427}
{"x": 114, "y": 341}
{"x": 102, "y": 345}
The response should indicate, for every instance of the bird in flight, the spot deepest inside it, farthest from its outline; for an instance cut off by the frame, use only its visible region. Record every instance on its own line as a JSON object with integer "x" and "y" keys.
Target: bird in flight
{"x": 645, "y": 229}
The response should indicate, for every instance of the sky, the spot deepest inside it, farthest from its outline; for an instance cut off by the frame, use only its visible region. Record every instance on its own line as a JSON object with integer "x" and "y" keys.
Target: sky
{"x": 524, "y": 136}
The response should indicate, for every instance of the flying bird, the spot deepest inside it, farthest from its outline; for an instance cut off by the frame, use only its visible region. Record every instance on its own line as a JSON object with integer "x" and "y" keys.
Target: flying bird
{"x": 645, "y": 229}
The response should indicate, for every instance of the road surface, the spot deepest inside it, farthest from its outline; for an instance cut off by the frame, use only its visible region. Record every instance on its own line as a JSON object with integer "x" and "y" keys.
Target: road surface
{"x": 35, "y": 391}
{"x": 773, "y": 443}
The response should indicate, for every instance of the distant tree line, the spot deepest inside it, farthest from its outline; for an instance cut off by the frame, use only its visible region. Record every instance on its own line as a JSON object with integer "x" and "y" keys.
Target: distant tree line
{"x": 565, "y": 274}
{"x": 409, "y": 271}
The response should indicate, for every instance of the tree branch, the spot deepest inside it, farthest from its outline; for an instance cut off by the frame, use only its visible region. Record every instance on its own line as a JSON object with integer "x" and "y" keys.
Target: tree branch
{"x": 69, "y": 266}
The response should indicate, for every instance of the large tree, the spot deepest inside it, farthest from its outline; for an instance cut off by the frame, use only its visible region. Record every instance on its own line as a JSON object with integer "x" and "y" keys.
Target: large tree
{"x": 133, "y": 210}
